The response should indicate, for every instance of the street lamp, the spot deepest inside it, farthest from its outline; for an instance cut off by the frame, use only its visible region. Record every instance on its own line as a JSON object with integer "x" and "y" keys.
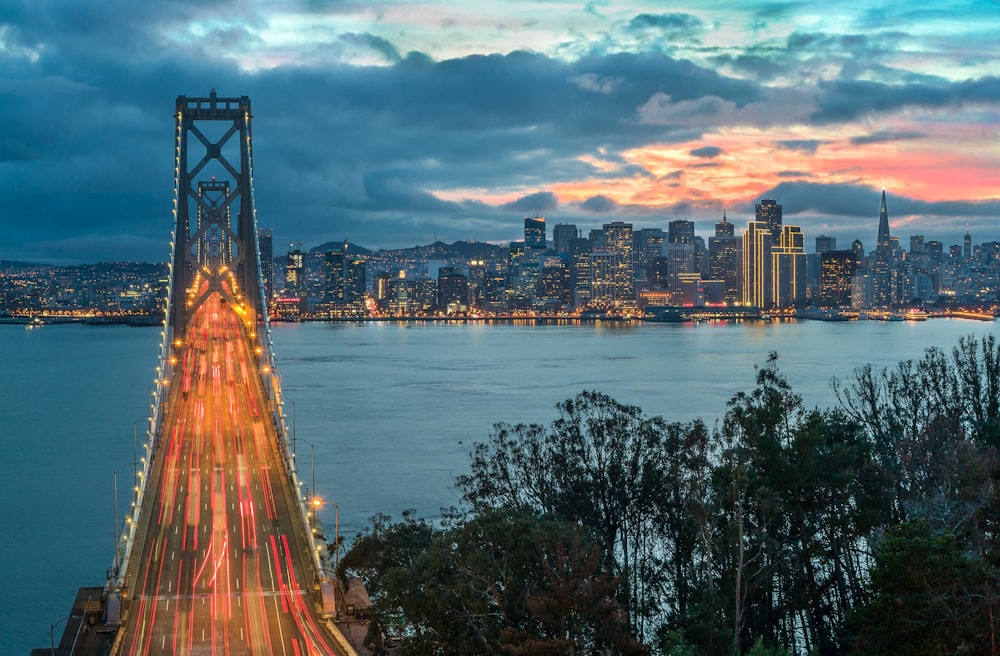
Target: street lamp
{"x": 312, "y": 488}
{"x": 134, "y": 465}
{"x": 52, "y": 633}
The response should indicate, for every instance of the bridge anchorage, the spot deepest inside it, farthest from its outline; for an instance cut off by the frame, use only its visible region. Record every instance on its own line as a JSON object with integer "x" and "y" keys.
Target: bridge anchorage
{"x": 221, "y": 550}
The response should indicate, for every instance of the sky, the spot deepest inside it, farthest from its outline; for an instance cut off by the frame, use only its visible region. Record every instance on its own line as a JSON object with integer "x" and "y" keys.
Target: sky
{"x": 396, "y": 123}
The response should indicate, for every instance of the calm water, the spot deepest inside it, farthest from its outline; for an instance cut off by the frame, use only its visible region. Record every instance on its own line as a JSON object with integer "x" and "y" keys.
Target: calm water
{"x": 390, "y": 408}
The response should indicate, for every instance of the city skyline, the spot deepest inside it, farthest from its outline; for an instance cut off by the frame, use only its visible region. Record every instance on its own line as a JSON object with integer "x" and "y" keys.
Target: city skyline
{"x": 392, "y": 125}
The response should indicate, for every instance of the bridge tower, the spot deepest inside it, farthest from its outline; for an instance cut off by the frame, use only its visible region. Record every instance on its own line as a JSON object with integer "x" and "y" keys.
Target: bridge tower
{"x": 213, "y": 198}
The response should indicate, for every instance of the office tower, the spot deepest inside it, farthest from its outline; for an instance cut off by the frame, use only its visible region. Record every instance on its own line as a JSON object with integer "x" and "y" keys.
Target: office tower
{"x": 658, "y": 272}
{"x": 265, "y": 250}
{"x": 534, "y": 232}
{"x": 934, "y": 251}
{"x": 579, "y": 267}
{"x": 648, "y": 244}
{"x": 825, "y": 244}
{"x": 554, "y": 280}
{"x": 562, "y": 235}
{"x": 883, "y": 264}
{"x": 333, "y": 269}
{"x": 355, "y": 283}
{"x": 859, "y": 251}
{"x": 769, "y": 212}
{"x": 967, "y": 246}
{"x": 700, "y": 256}
{"x": 453, "y": 290}
{"x": 680, "y": 261}
{"x": 724, "y": 228}
{"x": 836, "y": 271}
{"x": 757, "y": 285}
{"x": 680, "y": 232}
{"x": 916, "y": 244}
{"x": 596, "y": 240}
{"x": 618, "y": 244}
{"x": 725, "y": 255}
{"x": 788, "y": 267}
{"x": 295, "y": 274}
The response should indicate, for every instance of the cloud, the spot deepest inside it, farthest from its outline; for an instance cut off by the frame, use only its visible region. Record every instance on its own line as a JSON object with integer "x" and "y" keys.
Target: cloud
{"x": 887, "y": 136}
{"x": 804, "y": 145}
{"x": 541, "y": 201}
{"x": 707, "y": 152}
{"x": 591, "y": 82}
{"x": 599, "y": 204}
{"x": 670, "y": 26}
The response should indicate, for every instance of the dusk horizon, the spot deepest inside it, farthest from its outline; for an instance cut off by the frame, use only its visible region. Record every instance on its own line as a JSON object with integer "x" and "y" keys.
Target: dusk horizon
{"x": 393, "y": 126}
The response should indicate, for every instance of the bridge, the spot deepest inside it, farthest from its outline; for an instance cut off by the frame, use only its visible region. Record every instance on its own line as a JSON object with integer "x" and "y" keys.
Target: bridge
{"x": 220, "y": 551}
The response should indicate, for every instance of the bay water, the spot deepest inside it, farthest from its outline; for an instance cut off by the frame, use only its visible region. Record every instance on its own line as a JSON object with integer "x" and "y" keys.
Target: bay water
{"x": 386, "y": 413}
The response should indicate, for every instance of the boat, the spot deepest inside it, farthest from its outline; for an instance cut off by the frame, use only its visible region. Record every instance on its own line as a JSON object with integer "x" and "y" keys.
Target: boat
{"x": 916, "y": 314}
{"x": 822, "y": 314}
{"x": 667, "y": 314}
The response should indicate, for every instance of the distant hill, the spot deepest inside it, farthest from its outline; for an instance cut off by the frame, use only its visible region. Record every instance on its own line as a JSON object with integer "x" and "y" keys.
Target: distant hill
{"x": 436, "y": 250}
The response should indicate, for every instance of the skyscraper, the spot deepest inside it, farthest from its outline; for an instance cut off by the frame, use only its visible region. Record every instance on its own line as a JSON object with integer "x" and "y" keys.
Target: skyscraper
{"x": 680, "y": 232}
{"x": 882, "y": 268}
{"x": 757, "y": 285}
{"x": 788, "y": 268}
{"x": 333, "y": 269}
{"x": 825, "y": 244}
{"x": 836, "y": 271}
{"x": 265, "y": 250}
{"x": 562, "y": 235}
{"x": 769, "y": 212}
{"x": 725, "y": 252}
{"x": 618, "y": 245}
{"x": 534, "y": 232}
{"x": 295, "y": 273}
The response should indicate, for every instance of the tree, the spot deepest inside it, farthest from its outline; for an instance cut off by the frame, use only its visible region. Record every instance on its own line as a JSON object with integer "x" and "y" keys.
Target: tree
{"x": 927, "y": 598}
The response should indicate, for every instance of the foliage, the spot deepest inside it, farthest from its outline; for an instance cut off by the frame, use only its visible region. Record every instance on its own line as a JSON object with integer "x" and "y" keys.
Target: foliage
{"x": 871, "y": 527}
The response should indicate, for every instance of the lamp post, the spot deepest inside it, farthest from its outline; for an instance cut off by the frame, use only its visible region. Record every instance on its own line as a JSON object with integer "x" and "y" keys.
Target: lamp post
{"x": 312, "y": 488}
{"x": 134, "y": 465}
{"x": 52, "y": 634}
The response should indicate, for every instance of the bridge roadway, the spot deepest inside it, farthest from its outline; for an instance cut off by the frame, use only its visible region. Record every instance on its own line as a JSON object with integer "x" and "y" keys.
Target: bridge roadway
{"x": 221, "y": 564}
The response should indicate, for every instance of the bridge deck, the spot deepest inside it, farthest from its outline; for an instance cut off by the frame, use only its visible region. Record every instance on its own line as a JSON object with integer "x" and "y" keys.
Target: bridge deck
{"x": 220, "y": 563}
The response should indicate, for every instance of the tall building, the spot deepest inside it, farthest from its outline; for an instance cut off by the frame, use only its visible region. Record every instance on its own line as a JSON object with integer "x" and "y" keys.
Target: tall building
{"x": 882, "y": 267}
{"x": 534, "y": 232}
{"x": 453, "y": 290}
{"x": 334, "y": 278}
{"x": 265, "y": 250}
{"x": 825, "y": 244}
{"x": 757, "y": 287}
{"x": 355, "y": 283}
{"x": 680, "y": 232}
{"x": 836, "y": 272}
{"x": 769, "y": 212}
{"x": 967, "y": 246}
{"x": 295, "y": 272}
{"x": 680, "y": 261}
{"x": 788, "y": 269}
{"x": 648, "y": 244}
{"x": 562, "y": 235}
{"x": 618, "y": 245}
{"x": 725, "y": 251}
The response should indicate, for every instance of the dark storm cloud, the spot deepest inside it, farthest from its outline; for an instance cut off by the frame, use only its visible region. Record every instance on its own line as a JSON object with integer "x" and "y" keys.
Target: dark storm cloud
{"x": 706, "y": 152}
{"x": 599, "y": 204}
{"x": 846, "y": 100}
{"x": 541, "y": 201}
{"x": 887, "y": 136}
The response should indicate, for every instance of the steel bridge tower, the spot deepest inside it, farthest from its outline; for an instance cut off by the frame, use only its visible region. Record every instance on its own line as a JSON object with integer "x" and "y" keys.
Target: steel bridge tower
{"x": 213, "y": 198}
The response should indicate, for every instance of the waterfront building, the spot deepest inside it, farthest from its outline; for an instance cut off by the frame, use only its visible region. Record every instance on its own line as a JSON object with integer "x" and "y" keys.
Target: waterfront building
{"x": 757, "y": 284}
{"x": 334, "y": 278}
{"x": 725, "y": 254}
{"x": 554, "y": 280}
{"x": 453, "y": 291}
{"x": 356, "y": 283}
{"x": 649, "y": 243}
{"x": 680, "y": 261}
{"x": 618, "y": 245}
{"x": 788, "y": 266}
{"x": 295, "y": 272}
{"x": 836, "y": 273}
